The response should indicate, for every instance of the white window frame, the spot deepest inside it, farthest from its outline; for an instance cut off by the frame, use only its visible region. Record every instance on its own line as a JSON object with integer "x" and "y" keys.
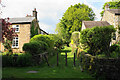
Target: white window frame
{"x": 15, "y": 39}
{"x": 15, "y": 27}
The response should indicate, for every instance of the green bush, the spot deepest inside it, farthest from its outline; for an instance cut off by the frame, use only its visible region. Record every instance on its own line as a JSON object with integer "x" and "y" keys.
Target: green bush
{"x": 35, "y": 47}
{"x": 97, "y": 39}
{"x": 17, "y": 60}
{"x": 58, "y": 42}
{"x": 76, "y": 37}
{"x": 24, "y": 60}
{"x": 115, "y": 50}
{"x": 45, "y": 38}
{"x": 7, "y": 61}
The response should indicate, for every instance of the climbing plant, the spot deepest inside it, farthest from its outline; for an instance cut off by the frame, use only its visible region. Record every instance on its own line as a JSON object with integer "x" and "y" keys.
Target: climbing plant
{"x": 34, "y": 28}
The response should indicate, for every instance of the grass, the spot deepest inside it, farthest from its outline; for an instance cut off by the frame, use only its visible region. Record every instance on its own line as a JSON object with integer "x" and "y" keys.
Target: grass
{"x": 51, "y": 71}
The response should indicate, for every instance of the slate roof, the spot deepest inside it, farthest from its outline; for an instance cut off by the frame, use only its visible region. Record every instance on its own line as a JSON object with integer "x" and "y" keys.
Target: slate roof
{"x": 114, "y": 11}
{"x": 90, "y": 24}
{"x": 21, "y": 20}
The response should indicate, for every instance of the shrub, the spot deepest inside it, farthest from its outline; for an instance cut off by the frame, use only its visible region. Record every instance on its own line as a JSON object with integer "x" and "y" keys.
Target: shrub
{"x": 35, "y": 47}
{"x": 45, "y": 38}
{"x": 7, "y": 60}
{"x": 115, "y": 50}
{"x": 24, "y": 60}
{"x": 76, "y": 37}
{"x": 58, "y": 42}
{"x": 17, "y": 60}
{"x": 97, "y": 39}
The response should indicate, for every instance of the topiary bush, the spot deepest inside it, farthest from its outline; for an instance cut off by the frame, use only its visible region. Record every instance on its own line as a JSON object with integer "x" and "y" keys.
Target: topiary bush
{"x": 45, "y": 38}
{"x": 97, "y": 39}
{"x": 35, "y": 47}
{"x": 76, "y": 37}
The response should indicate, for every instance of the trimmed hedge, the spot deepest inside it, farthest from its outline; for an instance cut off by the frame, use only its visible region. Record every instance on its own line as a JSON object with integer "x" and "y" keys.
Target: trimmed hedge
{"x": 97, "y": 39}
{"x": 22, "y": 60}
{"x": 35, "y": 47}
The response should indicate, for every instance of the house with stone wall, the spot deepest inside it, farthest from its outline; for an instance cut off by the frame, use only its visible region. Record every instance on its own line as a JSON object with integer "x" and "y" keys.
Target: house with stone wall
{"x": 22, "y": 27}
{"x": 110, "y": 17}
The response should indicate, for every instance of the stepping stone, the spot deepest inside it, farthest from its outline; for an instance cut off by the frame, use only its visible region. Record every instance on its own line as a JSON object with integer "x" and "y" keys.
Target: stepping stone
{"x": 32, "y": 72}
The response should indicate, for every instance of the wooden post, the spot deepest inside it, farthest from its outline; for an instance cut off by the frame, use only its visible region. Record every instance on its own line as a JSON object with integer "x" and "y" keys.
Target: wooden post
{"x": 66, "y": 58}
{"x": 74, "y": 59}
{"x": 46, "y": 59}
{"x": 57, "y": 60}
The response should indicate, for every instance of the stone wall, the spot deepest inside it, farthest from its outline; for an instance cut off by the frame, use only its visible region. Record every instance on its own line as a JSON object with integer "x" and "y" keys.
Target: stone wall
{"x": 23, "y": 36}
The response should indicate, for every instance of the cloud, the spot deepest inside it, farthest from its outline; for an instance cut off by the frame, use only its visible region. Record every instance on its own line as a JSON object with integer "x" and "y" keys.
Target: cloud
{"x": 49, "y": 11}
{"x": 48, "y": 28}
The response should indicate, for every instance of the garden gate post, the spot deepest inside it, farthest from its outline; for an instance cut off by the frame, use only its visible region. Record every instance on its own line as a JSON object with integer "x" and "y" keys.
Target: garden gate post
{"x": 66, "y": 58}
{"x": 74, "y": 59}
{"x": 57, "y": 60}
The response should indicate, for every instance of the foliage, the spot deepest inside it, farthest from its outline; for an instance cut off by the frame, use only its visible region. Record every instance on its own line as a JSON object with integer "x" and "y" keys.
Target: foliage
{"x": 58, "y": 42}
{"x": 34, "y": 28}
{"x": 7, "y": 35}
{"x": 24, "y": 60}
{"x": 72, "y": 20}
{"x": 115, "y": 51}
{"x": 35, "y": 47}
{"x": 7, "y": 61}
{"x": 45, "y": 38}
{"x": 93, "y": 40}
{"x": 17, "y": 60}
{"x": 112, "y": 5}
{"x": 100, "y": 67}
{"x": 76, "y": 37}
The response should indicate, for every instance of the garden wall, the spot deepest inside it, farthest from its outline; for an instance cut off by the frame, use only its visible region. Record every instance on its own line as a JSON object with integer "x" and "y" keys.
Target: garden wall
{"x": 101, "y": 67}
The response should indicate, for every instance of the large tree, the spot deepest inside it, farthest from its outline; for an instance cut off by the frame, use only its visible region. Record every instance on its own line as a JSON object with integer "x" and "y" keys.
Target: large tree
{"x": 72, "y": 20}
{"x": 112, "y": 5}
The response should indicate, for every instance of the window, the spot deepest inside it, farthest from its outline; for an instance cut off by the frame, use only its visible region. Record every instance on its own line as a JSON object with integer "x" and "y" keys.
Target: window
{"x": 15, "y": 42}
{"x": 16, "y": 27}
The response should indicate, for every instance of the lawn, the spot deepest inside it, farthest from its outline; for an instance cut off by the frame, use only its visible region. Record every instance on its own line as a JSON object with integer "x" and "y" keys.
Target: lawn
{"x": 52, "y": 71}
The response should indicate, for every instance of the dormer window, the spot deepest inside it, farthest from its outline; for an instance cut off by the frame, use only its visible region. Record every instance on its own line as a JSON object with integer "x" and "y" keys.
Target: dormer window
{"x": 16, "y": 27}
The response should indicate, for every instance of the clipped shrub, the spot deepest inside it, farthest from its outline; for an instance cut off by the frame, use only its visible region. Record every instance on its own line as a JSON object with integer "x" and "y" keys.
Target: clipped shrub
{"x": 24, "y": 60}
{"x": 7, "y": 61}
{"x": 35, "y": 47}
{"x": 97, "y": 39}
{"x": 45, "y": 38}
{"x": 75, "y": 37}
{"x": 21, "y": 60}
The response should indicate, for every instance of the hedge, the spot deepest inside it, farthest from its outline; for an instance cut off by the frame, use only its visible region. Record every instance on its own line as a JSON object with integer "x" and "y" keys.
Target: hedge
{"x": 97, "y": 39}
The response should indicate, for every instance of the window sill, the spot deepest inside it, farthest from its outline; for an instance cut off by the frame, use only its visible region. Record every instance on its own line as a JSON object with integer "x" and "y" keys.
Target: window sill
{"x": 15, "y": 47}
{"x": 17, "y": 32}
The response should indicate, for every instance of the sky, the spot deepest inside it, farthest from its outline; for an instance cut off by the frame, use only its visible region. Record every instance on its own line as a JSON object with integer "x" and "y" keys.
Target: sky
{"x": 49, "y": 11}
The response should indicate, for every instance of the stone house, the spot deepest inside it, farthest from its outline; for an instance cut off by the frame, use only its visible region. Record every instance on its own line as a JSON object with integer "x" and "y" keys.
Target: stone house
{"x": 23, "y": 30}
{"x": 110, "y": 17}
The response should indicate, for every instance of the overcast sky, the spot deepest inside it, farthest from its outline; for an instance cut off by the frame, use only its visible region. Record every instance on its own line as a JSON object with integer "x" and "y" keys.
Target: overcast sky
{"x": 49, "y": 11}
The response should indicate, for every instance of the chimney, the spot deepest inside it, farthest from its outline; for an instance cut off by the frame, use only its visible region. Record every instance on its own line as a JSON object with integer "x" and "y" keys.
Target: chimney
{"x": 107, "y": 6}
{"x": 35, "y": 13}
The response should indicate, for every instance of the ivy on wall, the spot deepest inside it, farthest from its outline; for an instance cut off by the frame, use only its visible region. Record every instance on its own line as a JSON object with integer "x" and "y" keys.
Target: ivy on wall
{"x": 34, "y": 28}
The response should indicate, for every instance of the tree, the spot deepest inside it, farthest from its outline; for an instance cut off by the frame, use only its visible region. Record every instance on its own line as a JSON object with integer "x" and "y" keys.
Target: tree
{"x": 72, "y": 20}
{"x": 112, "y": 5}
{"x": 7, "y": 35}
